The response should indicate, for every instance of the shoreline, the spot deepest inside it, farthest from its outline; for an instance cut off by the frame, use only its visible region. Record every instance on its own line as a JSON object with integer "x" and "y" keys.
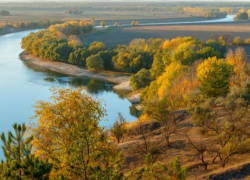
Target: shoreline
{"x": 121, "y": 81}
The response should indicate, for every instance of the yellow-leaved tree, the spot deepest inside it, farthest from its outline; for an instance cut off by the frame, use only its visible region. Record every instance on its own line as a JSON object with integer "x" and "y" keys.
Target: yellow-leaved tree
{"x": 68, "y": 134}
{"x": 172, "y": 71}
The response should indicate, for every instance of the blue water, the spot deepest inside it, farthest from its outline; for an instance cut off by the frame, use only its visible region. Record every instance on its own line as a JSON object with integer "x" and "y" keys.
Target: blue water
{"x": 21, "y": 86}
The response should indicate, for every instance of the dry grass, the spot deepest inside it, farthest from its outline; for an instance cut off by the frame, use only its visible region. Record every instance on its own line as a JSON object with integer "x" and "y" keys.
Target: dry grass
{"x": 99, "y": 15}
{"x": 196, "y": 28}
{"x": 179, "y": 146}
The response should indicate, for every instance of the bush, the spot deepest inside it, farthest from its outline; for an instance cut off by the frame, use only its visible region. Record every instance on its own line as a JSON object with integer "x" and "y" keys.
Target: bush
{"x": 95, "y": 63}
{"x": 140, "y": 80}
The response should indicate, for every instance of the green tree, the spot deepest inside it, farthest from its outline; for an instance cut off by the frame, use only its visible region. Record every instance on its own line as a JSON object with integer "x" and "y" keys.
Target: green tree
{"x": 118, "y": 130}
{"x": 97, "y": 47}
{"x": 158, "y": 66}
{"x": 159, "y": 110}
{"x": 95, "y": 63}
{"x": 158, "y": 170}
{"x": 140, "y": 80}
{"x": 20, "y": 163}
{"x": 214, "y": 77}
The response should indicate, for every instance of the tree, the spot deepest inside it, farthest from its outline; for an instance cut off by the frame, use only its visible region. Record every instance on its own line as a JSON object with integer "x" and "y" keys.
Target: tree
{"x": 158, "y": 170}
{"x": 158, "y": 65}
{"x": 214, "y": 77}
{"x": 160, "y": 112}
{"x": 237, "y": 59}
{"x": 118, "y": 130}
{"x": 103, "y": 24}
{"x": 4, "y": 13}
{"x": 140, "y": 80}
{"x": 96, "y": 47}
{"x": 79, "y": 56}
{"x": 241, "y": 16}
{"x": 225, "y": 121}
{"x": 200, "y": 149}
{"x": 68, "y": 134}
{"x": 237, "y": 41}
{"x": 95, "y": 63}
{"x": 92, "y": 21}
{"x": 20, "y": 163}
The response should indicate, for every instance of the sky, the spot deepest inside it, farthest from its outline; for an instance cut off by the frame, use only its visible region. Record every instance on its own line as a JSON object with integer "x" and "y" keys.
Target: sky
{"x": 118, "y": 0}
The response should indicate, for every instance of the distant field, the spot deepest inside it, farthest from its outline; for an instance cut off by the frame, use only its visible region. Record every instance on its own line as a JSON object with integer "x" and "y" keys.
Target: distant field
{"x": 99, "y": 15}
{"x": 120, "y": 35}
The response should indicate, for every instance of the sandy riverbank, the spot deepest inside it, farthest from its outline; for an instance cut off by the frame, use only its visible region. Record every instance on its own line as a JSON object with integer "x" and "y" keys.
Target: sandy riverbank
{"x": 117, "y": 78}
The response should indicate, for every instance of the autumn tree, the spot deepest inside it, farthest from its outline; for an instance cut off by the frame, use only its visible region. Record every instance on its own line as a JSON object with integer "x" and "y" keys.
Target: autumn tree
{"x": 214, "y": 77}
{"x": 103, "y": 24}
{"x": 140, "y": 80}
{"x": 94, "y": 63}
{"x": 118, "y": 130}
{"x": 96, "y": 47}
{"x": 238, "y": 60}
{"x": 237, "y": 41}
{"x": 68, "y": 134}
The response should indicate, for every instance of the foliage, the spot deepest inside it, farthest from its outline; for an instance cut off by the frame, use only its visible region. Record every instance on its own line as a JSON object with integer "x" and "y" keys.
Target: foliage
{"x": 214, "y": 77}
{"x": 241, "y": 16}
{"x": 140, "y": 80}
{"x": 118, "y": 130}
{"x": 160, "y": 112}
{"x": 103, "y": 24}
{"x": 68, "y": 134}
{"x": 225, "y": 121}
{"x": 215, "y": 15}
{"x": 159, "y": 170}
{"x": 20, "y": 162}
{"x": 74, "y": 11}
{"x": 95, "y": 63}
{"x": 134, "y": 23}
{"x": 4, "y": 13}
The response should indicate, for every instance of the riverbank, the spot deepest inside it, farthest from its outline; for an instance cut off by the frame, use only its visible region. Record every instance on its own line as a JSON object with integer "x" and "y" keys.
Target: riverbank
{"x": 121, "y": 80}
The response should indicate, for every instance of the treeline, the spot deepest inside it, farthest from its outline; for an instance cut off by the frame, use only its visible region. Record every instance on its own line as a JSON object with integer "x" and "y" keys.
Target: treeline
{"x": 29, "y": 24}
{"x": 242, "y": 15}
{"x": 4, "y": 13}
{"x": 215, "y": 15}
{"x": 139, "y": 54}
{"x": 74, "y": 11}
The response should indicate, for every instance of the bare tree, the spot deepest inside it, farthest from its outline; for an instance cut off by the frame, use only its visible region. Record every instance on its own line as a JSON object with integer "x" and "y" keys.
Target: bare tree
{"x": 200, "y": 148}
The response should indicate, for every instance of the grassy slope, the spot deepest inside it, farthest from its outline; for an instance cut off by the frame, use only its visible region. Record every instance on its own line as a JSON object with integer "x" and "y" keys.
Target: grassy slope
{"x": 179, "y": 146}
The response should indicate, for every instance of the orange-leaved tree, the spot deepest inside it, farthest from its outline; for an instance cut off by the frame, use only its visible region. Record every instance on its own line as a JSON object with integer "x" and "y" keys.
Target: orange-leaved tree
{"x": 68, "y": 134}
